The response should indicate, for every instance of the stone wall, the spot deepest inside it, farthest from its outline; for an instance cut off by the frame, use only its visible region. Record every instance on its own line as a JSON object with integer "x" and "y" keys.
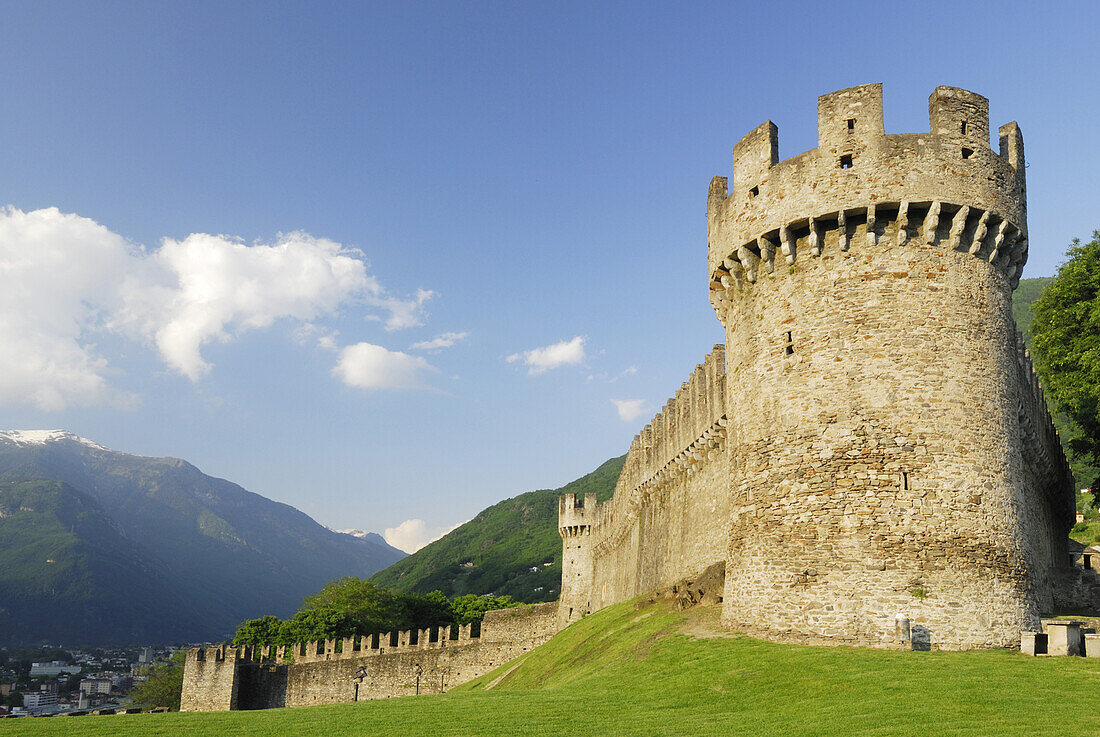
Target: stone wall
{"x": 371, "y": 667}
{"x": 210, "y": 680}
{"x": 667, "y": 518}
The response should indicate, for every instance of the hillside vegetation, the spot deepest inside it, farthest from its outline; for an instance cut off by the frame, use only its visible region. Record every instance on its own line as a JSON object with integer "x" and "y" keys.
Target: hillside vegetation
{"x": 648, "y": 670}
{"x": 510, "y": 549}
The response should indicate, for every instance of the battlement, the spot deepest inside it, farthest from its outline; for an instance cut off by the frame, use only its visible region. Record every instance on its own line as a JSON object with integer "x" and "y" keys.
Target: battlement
{"x": 496, "y": 626}
{"x": 857, "y": 173}
{"x": 576, "y": 514}
{"x": 687, "y": 427}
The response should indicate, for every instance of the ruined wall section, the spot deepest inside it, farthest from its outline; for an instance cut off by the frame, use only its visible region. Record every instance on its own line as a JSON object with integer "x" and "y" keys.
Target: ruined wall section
{"x": 666, "y": 519}
{"x": 374, "y": 666}
{"x": 874, "y": 388}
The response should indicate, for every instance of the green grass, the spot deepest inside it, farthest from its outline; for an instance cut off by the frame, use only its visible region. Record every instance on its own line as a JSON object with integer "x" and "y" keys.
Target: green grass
{"x": 630, "y": 671}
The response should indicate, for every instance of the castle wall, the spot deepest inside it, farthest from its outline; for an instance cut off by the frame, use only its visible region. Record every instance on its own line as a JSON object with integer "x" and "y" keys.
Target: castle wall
{"x": 357, "y": 669}
{"x": 666, "y": 520}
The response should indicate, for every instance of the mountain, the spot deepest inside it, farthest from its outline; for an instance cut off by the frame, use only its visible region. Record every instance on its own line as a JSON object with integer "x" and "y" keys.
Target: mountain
{"x": 511, "y": 548}
{"x": 67, "y": 573}
{"x": 203, "y": 552}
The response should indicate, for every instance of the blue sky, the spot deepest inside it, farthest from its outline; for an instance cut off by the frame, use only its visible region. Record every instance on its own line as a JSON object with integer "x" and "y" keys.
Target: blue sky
{"x": 272, "y": 218}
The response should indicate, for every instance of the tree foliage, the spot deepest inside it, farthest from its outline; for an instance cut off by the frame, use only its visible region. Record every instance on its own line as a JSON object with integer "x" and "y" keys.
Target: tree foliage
{"x": 353, "y": 606}
{"x": 1066, "y": 332}
{"x": 163, "y": 685}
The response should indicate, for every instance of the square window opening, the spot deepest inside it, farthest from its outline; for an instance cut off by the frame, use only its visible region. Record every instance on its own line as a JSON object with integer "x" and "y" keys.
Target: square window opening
{"x": 846, "y": 161}
{"x": 754, "y": 191}
{"x": 967, "y": 153}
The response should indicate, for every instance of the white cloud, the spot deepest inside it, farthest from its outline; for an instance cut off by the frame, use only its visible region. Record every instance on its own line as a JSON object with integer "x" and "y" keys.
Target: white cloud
{"x": 368, "y": 366}
{"x": 439, "y": 342}
{"x": 66, "y": 280}
{"x": 413, "y": 534}
{"x": 404, "y": 313}
{"x": 59, "y": 275}
{"x": 629, "y": 409}
{"x": 211, "y": 288}
{"x": 540, "y": 360}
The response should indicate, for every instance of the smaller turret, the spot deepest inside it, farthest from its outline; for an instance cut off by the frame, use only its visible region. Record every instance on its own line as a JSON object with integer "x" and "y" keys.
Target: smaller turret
{"x": 576, "y": 519}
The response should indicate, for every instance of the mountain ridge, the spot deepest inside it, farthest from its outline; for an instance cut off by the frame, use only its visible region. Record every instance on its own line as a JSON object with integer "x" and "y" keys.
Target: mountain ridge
{"x": 231, "y": 553}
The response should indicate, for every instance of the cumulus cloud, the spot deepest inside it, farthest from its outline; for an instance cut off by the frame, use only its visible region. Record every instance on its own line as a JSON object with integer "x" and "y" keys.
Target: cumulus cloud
{"x": 211, "y": 288}
{"x": 541, "y": 360}
{"x": 629, "y": 409}
{"x": 413, "y": 534}
{"x": 439, "y": 342}
{"x": 59, "y": 275}
{"x": 369, "y": 366}
{"x": 66, "y": 280}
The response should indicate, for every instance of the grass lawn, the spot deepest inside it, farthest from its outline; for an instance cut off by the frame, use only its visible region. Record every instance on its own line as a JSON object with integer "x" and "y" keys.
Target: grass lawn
{"x": 647, "y": 670}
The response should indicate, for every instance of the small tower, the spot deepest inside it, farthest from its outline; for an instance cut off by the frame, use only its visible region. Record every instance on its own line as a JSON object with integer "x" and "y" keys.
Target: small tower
{"x": 576, "y": 520}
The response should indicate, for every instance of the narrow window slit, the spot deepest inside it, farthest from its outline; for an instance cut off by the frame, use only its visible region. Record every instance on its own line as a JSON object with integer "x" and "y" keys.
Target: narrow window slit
{"x": 789, "y": 350}
{"x": 905, "y": 480}
{"x": 852, "y": 124}
{"x": 963, "y": 129}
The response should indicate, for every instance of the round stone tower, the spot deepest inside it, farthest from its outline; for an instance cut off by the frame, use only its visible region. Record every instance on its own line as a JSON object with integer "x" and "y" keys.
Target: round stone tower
{"x": 876, "y": 411}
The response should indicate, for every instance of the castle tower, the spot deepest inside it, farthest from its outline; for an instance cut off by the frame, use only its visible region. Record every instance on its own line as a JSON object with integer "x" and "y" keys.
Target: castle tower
{"x": 576, "y": 519}
{"x": 881, "y": 412}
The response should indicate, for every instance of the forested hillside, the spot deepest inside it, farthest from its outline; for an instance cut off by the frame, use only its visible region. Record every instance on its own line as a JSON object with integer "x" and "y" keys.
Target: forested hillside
{"x": 510, "y": 549}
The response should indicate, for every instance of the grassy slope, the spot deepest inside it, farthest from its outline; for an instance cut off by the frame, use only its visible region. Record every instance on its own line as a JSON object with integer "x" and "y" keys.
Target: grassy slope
{"x": 625, "y": 671}
{"x": 495, "y": 551}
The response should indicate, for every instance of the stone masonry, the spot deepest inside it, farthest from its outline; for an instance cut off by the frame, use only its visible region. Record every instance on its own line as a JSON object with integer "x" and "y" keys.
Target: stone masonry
{"x": 872, "y": 441}
{"x": 378, "y": 666}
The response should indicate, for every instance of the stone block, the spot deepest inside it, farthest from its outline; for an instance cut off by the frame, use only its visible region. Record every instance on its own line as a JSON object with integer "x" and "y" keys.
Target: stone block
{"x": 1092, "y": 646}
{"x": 1063, "y": 637}
{"x": 1033, "y": 643}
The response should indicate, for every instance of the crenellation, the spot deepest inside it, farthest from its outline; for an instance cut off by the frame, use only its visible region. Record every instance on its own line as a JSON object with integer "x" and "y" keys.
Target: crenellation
{"x": 848, "y": 121}
{"x": 753, "y": 156}
{"x": 227, "y": 678}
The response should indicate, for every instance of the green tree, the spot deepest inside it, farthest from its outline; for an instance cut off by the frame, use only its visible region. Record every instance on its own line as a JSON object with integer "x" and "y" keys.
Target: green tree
{"x": 163, "y": 685}
{"x": 1066, "y": 331}
{"x": 471, "y": 607}
{"x": 262, "y": 631}
{"x": 314, "y": 624}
